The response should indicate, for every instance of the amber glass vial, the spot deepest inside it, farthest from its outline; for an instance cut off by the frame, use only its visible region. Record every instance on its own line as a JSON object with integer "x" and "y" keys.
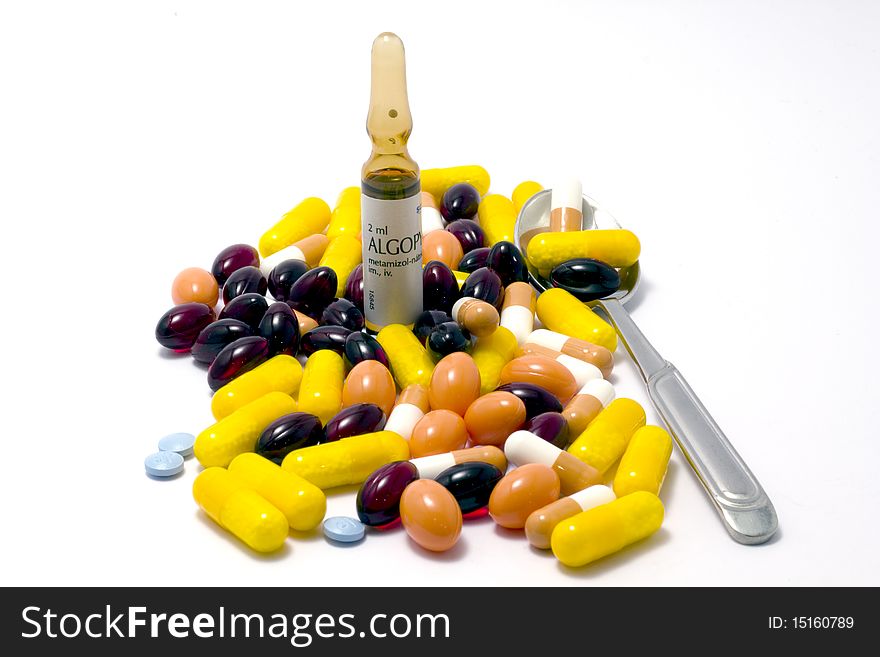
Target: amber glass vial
{"x": 390, "y": 200}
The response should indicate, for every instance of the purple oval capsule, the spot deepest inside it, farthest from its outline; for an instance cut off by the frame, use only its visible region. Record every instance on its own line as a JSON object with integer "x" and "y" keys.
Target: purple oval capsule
{"x": 354, "y": 287}
{"x": 551, "y": 427}
{"x": 313, "y": 291}
{"x": 460, "y": 201}
{"x": 439, "y": 287}
{"x": 537, "y": 400}
{"x": 343, "y": 312}
{"x": 378, "y": 500}
{"x": 586, "y": 278}
{"x": 508, "y": 262}
{"x": 248, "y": 308}
{"x": 354, "y": 420}
{"x": 447, "y": 338}
{"x": 426, "y": 321}
{"x": 236, "y": 358}
{"x": 244, "y": 281}
{"x": 473, "y": 260}
{"x": 287, "y": 433}
{"x": 281, "y": 328}
{"x": 179, "y": 328}
{"x": 360, "y": 347}
{"x": 233, "y": 258}
{"x": 217, "y": 335}
{"x": 283, "y": 276}
{"x": 324, "y": 337}
{"x": 470, "y": 483}
{"x": 469, "y": 234}
{"x": 484, "y": 284}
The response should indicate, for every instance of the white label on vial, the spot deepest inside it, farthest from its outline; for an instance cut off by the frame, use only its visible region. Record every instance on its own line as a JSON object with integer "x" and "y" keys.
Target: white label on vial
{"x": 392, "y": 238}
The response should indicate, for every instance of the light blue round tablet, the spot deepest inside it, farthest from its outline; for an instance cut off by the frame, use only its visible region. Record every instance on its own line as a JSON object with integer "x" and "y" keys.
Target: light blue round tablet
{"x": 344, "y": 529}
{"x": 163, "y": 464}
{"x": 182, "y": 443}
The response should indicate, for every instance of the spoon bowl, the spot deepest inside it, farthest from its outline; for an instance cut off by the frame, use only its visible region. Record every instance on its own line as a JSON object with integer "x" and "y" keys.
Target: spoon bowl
{"x": 534, "y": 218}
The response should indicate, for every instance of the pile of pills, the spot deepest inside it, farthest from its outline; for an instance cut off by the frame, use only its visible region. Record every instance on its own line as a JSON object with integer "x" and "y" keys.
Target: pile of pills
{"x": 496, "y": 401}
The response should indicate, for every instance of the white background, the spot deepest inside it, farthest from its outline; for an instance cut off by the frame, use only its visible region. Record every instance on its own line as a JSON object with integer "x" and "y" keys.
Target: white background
{"x": 738, "y": 140}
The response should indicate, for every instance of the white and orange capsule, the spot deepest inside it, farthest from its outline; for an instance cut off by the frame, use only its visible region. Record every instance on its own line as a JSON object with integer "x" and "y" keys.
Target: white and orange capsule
{"x": 588, "y": 352}
{"x": 309, "y": 250}
{"x": 524, "y": 447}
{"x": 587, "y": 404}
{"x": 566, "y": 202}
{"x": 429, "y": 467}
{"x": 411, "y": 406}
{"x": 431, "y": 218}
{"x": 541, "y": 523}
{"x": 477, "y": 316}
{"x": 518, "y": 310}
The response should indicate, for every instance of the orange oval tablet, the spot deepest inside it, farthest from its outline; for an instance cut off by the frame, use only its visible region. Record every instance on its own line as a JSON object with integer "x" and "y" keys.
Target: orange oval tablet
{"x": 370, "y": 381}
{"x": 455, "y": 383}
{"x": 195, "y": 284}
{"x": 542, "y": 371}
{"x": 306, "y": 323}
{"x": 436, "y": 433}
{"x": 443, "y": 246}
{"x": 522, "y": 491}
{"x": 430, "y": 515}
{"x": 490, "y": 419}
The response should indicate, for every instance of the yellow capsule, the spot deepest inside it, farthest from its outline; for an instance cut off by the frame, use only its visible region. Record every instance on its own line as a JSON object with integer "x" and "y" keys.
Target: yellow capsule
{"x": 437, "y": 181}
{"x": 491, "y": 354}
{"x": 606, "y": 437}
{"x": 460, "y": 276}
{"x": 342, "y": 255}
{"x": 346, "y": 461}
{"x": 301, "y": 502}
{"x": 564, "y": 313}
{"x": 282, "y": 373}
{"x": 410, "y": 362}
{"x": 245, "y": 514}
{"x": 497, "y": 216}
{"x": 643, "y": 465}
{"x": 346, "y": 216}
{"x": 349, "y": 196}
{"x": 616, "y": 247}
{"x": 321, "y": 390}
{"x": 238, "y": 432}
{"x": 523, "y": 192}
{"x": 605, "y": 529}
{"x": 309, "y": 217}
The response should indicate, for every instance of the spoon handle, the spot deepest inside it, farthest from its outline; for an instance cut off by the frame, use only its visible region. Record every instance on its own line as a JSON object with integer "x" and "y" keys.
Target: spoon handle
{"x": 745, "y": 509}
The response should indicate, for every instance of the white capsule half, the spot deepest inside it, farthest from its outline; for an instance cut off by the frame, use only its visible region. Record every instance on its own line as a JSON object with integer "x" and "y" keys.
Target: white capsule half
{"x": 600, "y": 389}
{"x": 431, "y": 220}
{"x": 567, "y": 194}
{"x": 582, "y": 372}
{"x": 431, "y": 466}
{"x": 593, "y": 496}
{"x": 523, "y": 447}
{"x": 518, "y": 320}
{"x": 291, "y": 252}
{"x": 548, "y": 339}
{"x": 403, "y": 419}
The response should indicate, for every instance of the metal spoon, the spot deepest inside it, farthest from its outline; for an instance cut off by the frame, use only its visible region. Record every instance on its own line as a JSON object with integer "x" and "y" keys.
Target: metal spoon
{"x": 746, "y": 511}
